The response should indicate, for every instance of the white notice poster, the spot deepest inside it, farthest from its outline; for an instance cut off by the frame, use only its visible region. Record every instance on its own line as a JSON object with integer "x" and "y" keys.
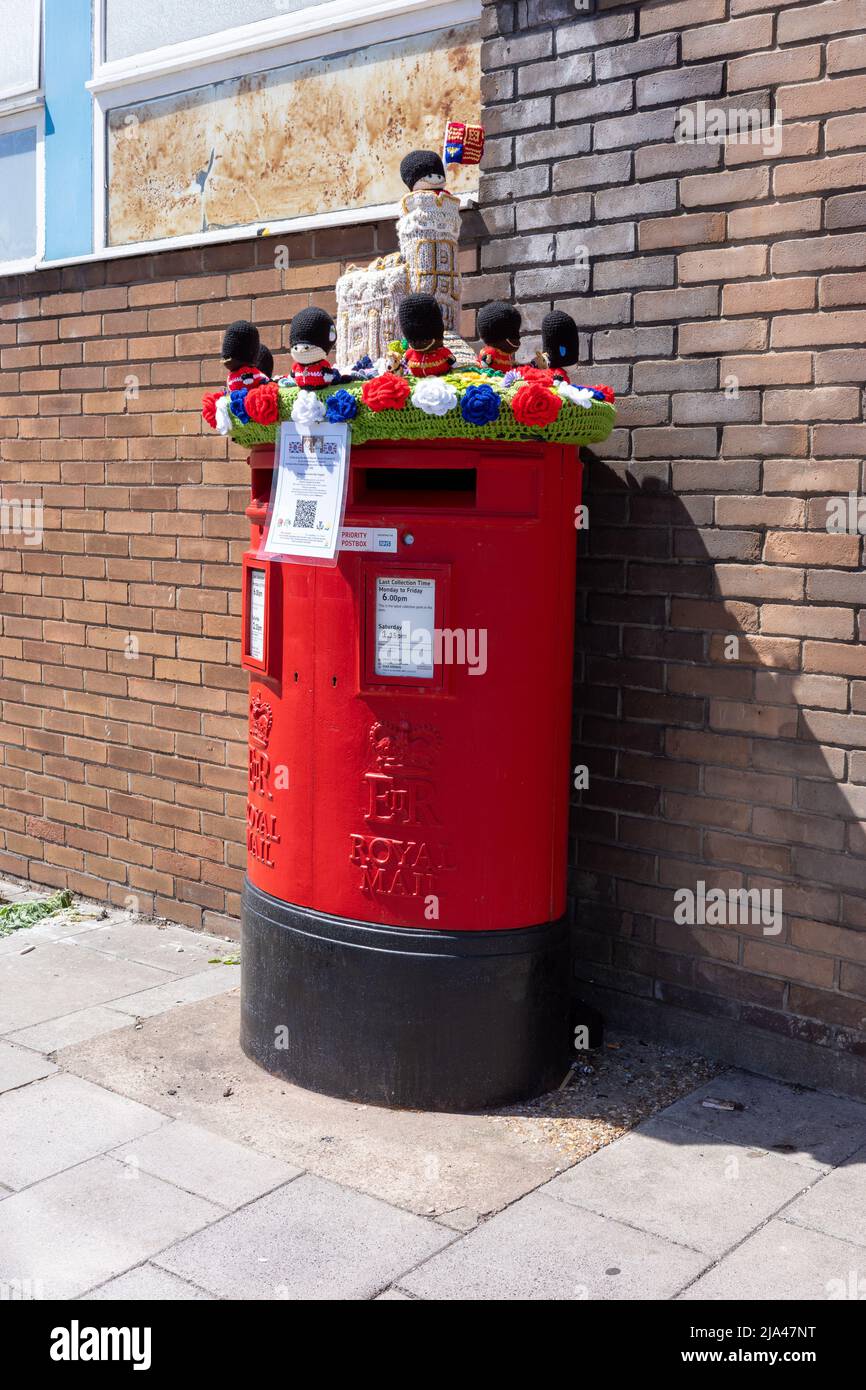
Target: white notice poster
{"x": 309, "y": 493}
{"x": 405, "y": 626}
{"x": 257, "y": 615}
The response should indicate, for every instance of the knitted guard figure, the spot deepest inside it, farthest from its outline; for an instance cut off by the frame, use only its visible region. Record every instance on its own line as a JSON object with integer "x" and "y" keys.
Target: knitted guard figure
{"x": 239, "y": 353}
{"x": 265, "y": 362}
{"x": 424, "y": 329}
{"x": 560, "y": 343}
{"x": 499, "y": 329}
{"x": 311, "y": 338}
{"x": 422, "y": 170}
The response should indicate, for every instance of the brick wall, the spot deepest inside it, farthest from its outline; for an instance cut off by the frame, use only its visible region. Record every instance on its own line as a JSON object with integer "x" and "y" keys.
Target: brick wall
{"x": 723, "y": 298}
{"x": 122, "y": 700}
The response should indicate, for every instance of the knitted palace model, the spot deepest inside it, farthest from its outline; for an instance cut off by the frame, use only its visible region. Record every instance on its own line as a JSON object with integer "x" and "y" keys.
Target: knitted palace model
{"x": 368, "y": 300}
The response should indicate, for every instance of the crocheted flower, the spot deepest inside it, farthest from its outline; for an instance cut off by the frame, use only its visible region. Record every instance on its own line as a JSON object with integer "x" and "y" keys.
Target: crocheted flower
{"x": 224, "y": 422}
{"x": 480, "y": 405}
{"x": 237, "y": 402}
{"x": 607, "y": 393}
{"x": 543, "y": 376}
{"x": 579, "y": 395}
{"x": 434, "y": 396}
{"x": 263, "y": 404}
{"x": 386, "y": 392}
{"x": 340, "y": 407}
{"x": 510, "y": 378}
{"x": 534, "y": 404}
{"x": 307, "y": 410}
{"x": 208, "y": 407}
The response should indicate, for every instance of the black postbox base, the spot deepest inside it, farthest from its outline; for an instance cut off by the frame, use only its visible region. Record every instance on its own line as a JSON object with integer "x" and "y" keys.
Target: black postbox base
{"x": 425, "y": 1020}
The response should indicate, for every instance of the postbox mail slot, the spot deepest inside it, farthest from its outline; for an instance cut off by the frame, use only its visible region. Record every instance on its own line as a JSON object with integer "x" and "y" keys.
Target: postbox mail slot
{"x": 415, "y": 487}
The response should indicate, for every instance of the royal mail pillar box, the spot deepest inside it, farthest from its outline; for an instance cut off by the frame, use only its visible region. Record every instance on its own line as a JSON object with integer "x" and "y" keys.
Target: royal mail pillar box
{"x": 404, "y": 940}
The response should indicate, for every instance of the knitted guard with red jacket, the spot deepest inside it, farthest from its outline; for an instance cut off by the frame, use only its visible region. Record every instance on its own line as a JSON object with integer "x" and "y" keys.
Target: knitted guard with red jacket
{"x": 436, "y": 362}
{"x": 312, "y": 376}
{"x": 495, "y": 359}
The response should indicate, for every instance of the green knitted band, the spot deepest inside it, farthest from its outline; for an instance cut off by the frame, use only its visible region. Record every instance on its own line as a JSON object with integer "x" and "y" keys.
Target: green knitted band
{"x": 573, "y": 425}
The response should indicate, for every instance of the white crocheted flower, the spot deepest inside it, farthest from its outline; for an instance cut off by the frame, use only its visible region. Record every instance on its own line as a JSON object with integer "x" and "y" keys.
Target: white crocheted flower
{"x": 307, "y": 410}
{"x": 434, "y": 396}
{"x": 223, "y": 419}
{"x": 579, "y": 395}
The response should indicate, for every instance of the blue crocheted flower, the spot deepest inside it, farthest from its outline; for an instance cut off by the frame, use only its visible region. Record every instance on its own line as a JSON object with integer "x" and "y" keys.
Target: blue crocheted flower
{"x": 238, "y": 406}
{"x": 341, "y": 406}
{"x": 480, "y": 405}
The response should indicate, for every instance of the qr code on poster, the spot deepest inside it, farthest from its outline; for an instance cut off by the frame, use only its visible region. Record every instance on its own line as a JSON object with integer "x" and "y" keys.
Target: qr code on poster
{"x": 305, "y": 514}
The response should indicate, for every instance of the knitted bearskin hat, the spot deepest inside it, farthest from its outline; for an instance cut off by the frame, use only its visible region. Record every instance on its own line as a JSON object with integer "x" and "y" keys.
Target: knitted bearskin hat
{"x": 559, "y": 338}
{"x": 313, "y": 326}
{"x": 421, "y": 319}
{"x": 240, "y": 344}
{"x": 421, "y": 164}
{"x": 499, "y": 326}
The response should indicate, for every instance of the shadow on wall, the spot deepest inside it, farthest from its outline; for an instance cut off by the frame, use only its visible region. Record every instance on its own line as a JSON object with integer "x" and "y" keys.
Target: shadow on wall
{"x": 702, "y": 771}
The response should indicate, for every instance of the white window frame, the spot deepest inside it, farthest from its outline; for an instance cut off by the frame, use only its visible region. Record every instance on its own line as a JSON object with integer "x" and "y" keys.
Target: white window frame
{"x": 23, "y": 119}
{"x": 271, "y": 43}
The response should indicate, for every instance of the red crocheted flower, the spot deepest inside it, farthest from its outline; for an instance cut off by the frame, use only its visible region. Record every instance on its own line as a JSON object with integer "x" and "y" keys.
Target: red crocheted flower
{"x": 263, "y": 404}
{"x": 544, "y": 376}
{"x": 208, "y": 406}
{"x": 386, "y": 392}
{"x": 607, "y": 391}
{"x": 535, "y": 404}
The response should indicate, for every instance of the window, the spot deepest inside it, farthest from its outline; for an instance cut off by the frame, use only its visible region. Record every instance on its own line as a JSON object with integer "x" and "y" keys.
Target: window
{"x": 133, "y": 27}
{"x": 21, "y": 131}
{"x": 20, "y": 25}
{"x": 18, "y": 231}
{"x": 294, "y": 117}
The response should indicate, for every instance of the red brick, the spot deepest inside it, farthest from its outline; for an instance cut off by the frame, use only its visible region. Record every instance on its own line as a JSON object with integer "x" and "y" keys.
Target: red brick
{"x": 732, "y": 263}
{"x": 692, "y": 229}
{"x": 816, "y": 175}
{"x": 733, "y": 36}
{"x": 791, "y": 65}
{"x": 822, "y": 403}
{"x": 734, "y": 186}
{"x": 775, "y": 219}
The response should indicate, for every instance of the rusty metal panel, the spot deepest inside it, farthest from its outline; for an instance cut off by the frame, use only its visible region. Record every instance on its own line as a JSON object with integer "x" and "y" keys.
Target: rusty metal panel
{"x": 310, "y": 138}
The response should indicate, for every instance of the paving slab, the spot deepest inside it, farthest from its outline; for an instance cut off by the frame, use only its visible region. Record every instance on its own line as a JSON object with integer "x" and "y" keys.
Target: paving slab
{"x": 18, "y": 1067}
{"x": 57, "y": 979}
{"x": 206, "y": 1164}
{"x": 71, "y": 1028}
{"x": 174, "y": 949}
{"x": 810, "y": 1128}
{"x": 77, "y": 1229}
{"x": 690, "y": 1188}
{"x": 148, "y": 1284}
{"x": 836, "y": 1204}
{"x": 184, "y": 1062}
{"x": 63, "y": 1120}
{"x": 541, "y": 1248}
{"x": 308, "y": 1240}
{"x": 781, "y": 1262}
{"x": 161, "y": 998}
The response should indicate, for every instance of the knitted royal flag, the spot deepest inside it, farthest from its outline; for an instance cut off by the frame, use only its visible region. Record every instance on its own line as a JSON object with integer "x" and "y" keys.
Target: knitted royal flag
{"x": 464, "y": 144}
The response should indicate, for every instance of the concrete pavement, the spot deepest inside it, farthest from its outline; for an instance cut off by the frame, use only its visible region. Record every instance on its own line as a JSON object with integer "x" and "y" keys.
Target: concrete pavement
{"x": 143, "y": 1157}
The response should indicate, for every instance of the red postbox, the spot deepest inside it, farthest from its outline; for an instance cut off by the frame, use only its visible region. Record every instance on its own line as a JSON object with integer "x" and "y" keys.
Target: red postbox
{"x": 404, "y": 939}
